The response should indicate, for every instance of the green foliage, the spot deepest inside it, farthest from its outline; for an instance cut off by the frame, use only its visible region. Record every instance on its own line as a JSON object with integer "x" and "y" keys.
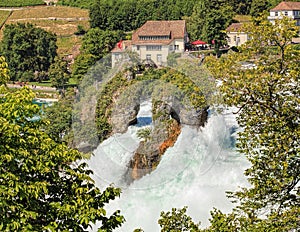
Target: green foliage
{"x": 104, "y": 104}
{"x": 96, "y": 44}
{"x": 242, "y": 6}
{"x": 4, "y": 77}
{"x": 80, "y": 30}
{"x": 138, "y": 230}
{"x": 59, "y": 114}
{"x": 171, "y": 59}
{"x": 27, "y": 49}
{"x": 144, "y": 133}
{"x": 82, "y": 64}
{"x": 192, "y": 94}
{"x": 76, "y": 3}
{"x": 128, "y": 15}
{"x": 186, "y": 86}
{"x": 258, "y": 7}
{"x": 209, "y": 21}
{"x": 16, "y": 3}
{"x": 177, "y": 221}
{"x": 40, "y": 190}
{"x": 100, "y": 42}
{"x": 267, "y": 96}
{"x": 59, "y": 73}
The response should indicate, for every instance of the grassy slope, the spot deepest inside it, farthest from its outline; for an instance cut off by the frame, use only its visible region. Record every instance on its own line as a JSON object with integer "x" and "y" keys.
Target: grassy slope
{"x": 3, "y": 16}
{"x": 243, "y": 18}
{"x": 50, "y": 11}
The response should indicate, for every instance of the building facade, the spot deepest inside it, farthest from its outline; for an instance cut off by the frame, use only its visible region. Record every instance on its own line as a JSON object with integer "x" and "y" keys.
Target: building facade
{"x": 155, "y": 40}
{"x": 289, "y": 9}
{"x": 235, "y": 35}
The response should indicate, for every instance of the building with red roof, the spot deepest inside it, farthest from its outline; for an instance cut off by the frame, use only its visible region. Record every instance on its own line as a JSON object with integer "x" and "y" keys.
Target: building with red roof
{"x": 155, "y": 40}
{"x": 289, "y": 9}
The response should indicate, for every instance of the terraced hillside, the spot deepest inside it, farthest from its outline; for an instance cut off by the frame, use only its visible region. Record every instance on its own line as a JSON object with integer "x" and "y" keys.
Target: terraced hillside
{"x": 61, "y": 20}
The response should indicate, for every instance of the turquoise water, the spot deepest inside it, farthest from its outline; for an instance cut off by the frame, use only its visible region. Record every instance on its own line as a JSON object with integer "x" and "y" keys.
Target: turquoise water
{"x": 42, "y": 103}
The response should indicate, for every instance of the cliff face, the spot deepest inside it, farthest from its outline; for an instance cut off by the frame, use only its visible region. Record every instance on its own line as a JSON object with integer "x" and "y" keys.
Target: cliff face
{"x": 176, "y": 101}
{"x": 149, "y": 152}
{"x": 167, "y": 127}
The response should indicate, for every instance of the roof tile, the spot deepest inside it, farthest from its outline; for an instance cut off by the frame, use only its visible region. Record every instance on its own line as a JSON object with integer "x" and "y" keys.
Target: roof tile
{"x": 175, "y": 29}
{"x": 287, "y": 6}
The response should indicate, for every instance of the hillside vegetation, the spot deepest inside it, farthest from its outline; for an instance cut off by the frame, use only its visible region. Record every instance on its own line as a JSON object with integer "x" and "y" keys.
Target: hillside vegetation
{"x": 17, "y": 3}
{"x": 76, "y": 3}
{"x": 61, "y": 20}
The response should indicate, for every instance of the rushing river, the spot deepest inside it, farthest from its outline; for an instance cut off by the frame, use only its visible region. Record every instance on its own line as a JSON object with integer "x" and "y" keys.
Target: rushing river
{"x": 195, "y": 172}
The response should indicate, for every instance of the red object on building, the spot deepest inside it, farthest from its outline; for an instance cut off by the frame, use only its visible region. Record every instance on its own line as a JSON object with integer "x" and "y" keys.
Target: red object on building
{"x": 119, "y": 44}
{"x": 199, "y": 42}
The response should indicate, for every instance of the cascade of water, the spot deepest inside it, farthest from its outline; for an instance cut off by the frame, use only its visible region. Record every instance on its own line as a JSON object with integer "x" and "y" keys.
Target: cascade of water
{"x": 196, "y": 172}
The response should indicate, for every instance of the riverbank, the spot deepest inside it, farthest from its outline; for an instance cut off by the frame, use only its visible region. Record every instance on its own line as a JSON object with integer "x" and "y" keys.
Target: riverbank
{"x": 33, "y": 87}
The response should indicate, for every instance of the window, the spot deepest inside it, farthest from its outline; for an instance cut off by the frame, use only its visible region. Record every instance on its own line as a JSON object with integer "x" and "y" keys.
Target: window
{"x": 286, "y": 13}
{"x": 138, "y": 47}
{"x": 153, "y": 47}
{"x": 159, "y": 58}
{"x": 118, "y": 56}
{"x": 234, "y": 38}
{"x": 148, "y": 57}
{"x": 176, "y": 47}
{"x": 276, "y": 13}
{"x": 163, "y": 37}
{"x": 171, "y": 48}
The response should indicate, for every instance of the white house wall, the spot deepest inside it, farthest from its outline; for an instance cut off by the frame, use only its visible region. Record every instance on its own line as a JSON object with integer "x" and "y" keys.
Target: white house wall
{"x": 274, "y": 15}
{"x": 159, "y": 56}
{"x": 237, "y": 38}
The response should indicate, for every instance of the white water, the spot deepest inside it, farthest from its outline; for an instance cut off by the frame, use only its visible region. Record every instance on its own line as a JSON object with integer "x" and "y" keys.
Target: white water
{"x": 195, "y": 172}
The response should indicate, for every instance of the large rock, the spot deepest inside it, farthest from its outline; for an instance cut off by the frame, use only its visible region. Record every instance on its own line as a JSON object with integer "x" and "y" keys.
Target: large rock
{"x": 149, "y": 152}
{"x": 168, "y": 116}
{"x": 193, "y": 117}
{"x": 123, "y": 117}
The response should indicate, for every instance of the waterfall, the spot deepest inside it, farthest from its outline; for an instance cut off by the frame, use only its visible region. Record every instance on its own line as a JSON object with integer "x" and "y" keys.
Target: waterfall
{"x": 195, "y": 172}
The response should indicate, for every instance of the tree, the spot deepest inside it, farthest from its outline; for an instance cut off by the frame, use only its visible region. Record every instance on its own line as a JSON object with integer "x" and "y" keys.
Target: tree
{"x": 43, "y": 187}
{"x": 177, "y": 221}
{"x": 99, "y": 42}
{"x": 27, "y": 49}
{"x": 209, "y": 21}
{"x": 258, "y": 7}
{"x": 242, "y": 6}
{"x": 96, "y": 44}
{"x": 81, "y": 65}
{"x": 130, "y": 14}
{"x": 59, "y": 73}
{"x": 59, "y": 114}
{"x": 267, "y": 96}
{"x": 4, "y": 77}
{"x": 99, "y": 15}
